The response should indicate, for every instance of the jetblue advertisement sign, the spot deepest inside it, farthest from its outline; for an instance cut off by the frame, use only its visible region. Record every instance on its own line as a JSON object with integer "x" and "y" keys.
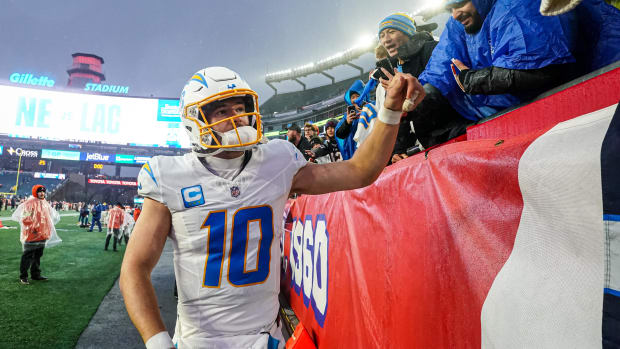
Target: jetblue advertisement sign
{"x": 30, "y": 79}
{"x": 97, "y": 157}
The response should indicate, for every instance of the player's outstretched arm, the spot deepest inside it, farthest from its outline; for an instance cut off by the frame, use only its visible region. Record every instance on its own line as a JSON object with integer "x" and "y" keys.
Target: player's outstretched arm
{"x": 142, "y": 253}
{"x": 373, "y": 155}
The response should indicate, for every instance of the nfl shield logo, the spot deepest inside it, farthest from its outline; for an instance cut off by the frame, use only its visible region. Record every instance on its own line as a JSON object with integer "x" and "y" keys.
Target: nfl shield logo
{"x": 234, "y": 191}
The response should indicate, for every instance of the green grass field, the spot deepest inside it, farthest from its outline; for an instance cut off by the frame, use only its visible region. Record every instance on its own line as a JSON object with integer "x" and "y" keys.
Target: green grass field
{"x": 53, "y": 313}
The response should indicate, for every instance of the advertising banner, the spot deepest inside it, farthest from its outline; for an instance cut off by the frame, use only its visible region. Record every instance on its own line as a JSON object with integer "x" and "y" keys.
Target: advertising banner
{"x": 124, "y": 159}
{"x": 60, "y": 154}
{"x": 97, "y": 157}
{"x": 83, "y": 117}
{"x": 49, "y": 175}
{"x": 141, "y": 159}
{"x": 112, "y": 182}
{"x": 18, "y": 151}
{"x": 486, "y": 243}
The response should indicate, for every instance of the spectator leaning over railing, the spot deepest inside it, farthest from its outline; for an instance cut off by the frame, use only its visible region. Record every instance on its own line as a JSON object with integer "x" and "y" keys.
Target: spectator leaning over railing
{"x": 494, "y": 54}
{"x": 328, "y": 150}
{"x": 434, "y": 121}
{"x": 301, "y": 143}
{"x": 345, "y": 130}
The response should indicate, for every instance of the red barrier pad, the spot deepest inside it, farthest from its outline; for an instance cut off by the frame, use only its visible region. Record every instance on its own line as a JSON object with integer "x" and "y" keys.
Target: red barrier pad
{"x": 411, "y": 257}
{"x": 596, "y": 93}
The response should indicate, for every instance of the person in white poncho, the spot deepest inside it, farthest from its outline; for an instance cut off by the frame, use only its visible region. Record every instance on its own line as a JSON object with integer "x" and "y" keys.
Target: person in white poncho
{"x": 126, "y": 228}
{"x": 37, "y": 219}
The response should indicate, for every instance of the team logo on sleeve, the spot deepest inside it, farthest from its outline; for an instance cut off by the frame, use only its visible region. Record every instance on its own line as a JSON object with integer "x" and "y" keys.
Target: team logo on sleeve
{"x": 147, "y": 167}
{"x": 235, "y": 191}
{"x": 192, "y": 196}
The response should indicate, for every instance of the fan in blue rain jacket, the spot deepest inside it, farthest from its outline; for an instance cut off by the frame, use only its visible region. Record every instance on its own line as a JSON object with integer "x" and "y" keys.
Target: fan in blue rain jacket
{"x": 516, "y": 54}
{"x": 345, "y": 131}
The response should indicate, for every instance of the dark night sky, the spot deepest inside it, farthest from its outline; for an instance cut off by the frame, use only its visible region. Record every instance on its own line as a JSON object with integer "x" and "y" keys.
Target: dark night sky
{"x": 154, "y": 46}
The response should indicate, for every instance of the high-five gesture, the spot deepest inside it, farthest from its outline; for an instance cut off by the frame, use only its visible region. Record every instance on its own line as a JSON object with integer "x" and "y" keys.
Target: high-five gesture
{"x": 403, "y": 91}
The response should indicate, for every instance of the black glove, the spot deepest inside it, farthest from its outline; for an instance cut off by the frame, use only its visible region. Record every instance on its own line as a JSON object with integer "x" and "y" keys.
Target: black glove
{"x": 414, "y": 46}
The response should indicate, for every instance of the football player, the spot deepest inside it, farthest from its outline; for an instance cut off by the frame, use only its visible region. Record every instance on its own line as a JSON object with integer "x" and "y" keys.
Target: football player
{"x": 221, "y": 205}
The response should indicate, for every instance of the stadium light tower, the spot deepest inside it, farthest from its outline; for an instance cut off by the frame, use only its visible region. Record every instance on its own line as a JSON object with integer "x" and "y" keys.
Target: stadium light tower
{"x": 430, "y": 9}
{"x": 366, "y": 41}
{"x": 365, "y": 44}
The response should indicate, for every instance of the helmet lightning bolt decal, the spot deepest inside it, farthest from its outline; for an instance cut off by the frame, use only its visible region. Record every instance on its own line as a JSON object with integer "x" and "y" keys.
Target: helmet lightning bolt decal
{"x": 200, "y": 78}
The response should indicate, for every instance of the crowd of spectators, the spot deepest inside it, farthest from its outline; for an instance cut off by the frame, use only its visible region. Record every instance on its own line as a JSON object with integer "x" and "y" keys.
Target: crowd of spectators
{"x": 12, "y": 201}
{"x": 492, "y": 55}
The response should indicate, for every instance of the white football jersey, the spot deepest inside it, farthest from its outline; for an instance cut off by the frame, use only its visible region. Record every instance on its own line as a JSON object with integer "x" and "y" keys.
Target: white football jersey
{"x": 226, "y": 237}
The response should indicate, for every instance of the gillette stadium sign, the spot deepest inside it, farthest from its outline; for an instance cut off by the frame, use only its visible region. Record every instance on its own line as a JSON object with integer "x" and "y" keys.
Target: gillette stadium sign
{"x": 30, "y": 79}
{"x": 106, "y": 88}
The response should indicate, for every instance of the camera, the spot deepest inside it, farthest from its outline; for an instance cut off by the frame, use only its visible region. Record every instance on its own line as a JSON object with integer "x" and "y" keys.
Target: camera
{"x": 350, "y": 109}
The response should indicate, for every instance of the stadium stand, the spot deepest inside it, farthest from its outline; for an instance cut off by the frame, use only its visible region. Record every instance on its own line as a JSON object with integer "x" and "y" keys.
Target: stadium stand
{"x": 312, "y": 105}
{"x": 75, "y": 187}
{"x": 26, "y": 181}
{"x": 30, "y": 143}
{"x": 294, "y": 101}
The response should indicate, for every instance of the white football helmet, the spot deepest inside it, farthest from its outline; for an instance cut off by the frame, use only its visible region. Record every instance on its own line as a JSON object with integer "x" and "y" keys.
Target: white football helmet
{"x": 211, "y": 85}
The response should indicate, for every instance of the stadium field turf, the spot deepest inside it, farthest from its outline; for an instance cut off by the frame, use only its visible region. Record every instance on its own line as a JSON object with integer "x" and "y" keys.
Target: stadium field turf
{"x": 53, "y": 313}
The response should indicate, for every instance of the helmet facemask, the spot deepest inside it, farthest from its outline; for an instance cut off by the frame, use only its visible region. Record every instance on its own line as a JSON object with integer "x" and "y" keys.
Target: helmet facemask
{"x": 240, "y": 137}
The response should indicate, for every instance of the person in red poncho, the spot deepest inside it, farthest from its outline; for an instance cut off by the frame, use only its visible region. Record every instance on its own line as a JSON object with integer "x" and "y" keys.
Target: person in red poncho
{"x": 136, "y": 213}
{"x": 37, "y": 219}
{"x": 116, "y": 218}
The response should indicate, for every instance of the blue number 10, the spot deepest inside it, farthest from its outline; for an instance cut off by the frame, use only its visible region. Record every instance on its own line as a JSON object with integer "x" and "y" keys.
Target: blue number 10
{"x": 239, "y": 273}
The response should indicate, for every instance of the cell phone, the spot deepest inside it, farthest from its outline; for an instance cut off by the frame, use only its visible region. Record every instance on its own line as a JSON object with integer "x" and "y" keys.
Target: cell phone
{"x": 350, "y": 109}
{"x": 384, "y": 63}
{"x": 413, "y": 150}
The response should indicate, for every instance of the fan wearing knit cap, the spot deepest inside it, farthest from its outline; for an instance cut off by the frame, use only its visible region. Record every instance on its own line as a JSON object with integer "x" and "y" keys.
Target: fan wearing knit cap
{"x": 409, "y": 51}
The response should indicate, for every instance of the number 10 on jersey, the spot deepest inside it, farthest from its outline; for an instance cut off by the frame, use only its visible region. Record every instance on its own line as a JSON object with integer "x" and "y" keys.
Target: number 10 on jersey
{"x": 239, "y": 272}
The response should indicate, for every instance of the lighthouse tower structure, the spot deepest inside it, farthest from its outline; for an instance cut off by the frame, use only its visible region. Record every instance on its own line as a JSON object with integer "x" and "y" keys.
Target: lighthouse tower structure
{"x": 86, "y": 68}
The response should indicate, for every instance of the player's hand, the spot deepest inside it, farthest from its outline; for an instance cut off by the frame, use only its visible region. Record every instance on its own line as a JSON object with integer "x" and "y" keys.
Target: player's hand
{"x": 461, "y": 66}
{"x": 401, "y": 87}
{"x": 398, "y": 157}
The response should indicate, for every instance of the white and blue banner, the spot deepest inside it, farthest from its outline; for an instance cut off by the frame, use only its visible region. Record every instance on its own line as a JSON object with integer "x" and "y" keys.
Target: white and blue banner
{"x": 28, "y": 112}
{"x": 560, "y": 287}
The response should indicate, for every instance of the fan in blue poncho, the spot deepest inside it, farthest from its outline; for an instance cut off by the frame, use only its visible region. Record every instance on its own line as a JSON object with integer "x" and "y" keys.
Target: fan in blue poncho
{"x": 508, "y": 52}
{"x": 345, "y": 131}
